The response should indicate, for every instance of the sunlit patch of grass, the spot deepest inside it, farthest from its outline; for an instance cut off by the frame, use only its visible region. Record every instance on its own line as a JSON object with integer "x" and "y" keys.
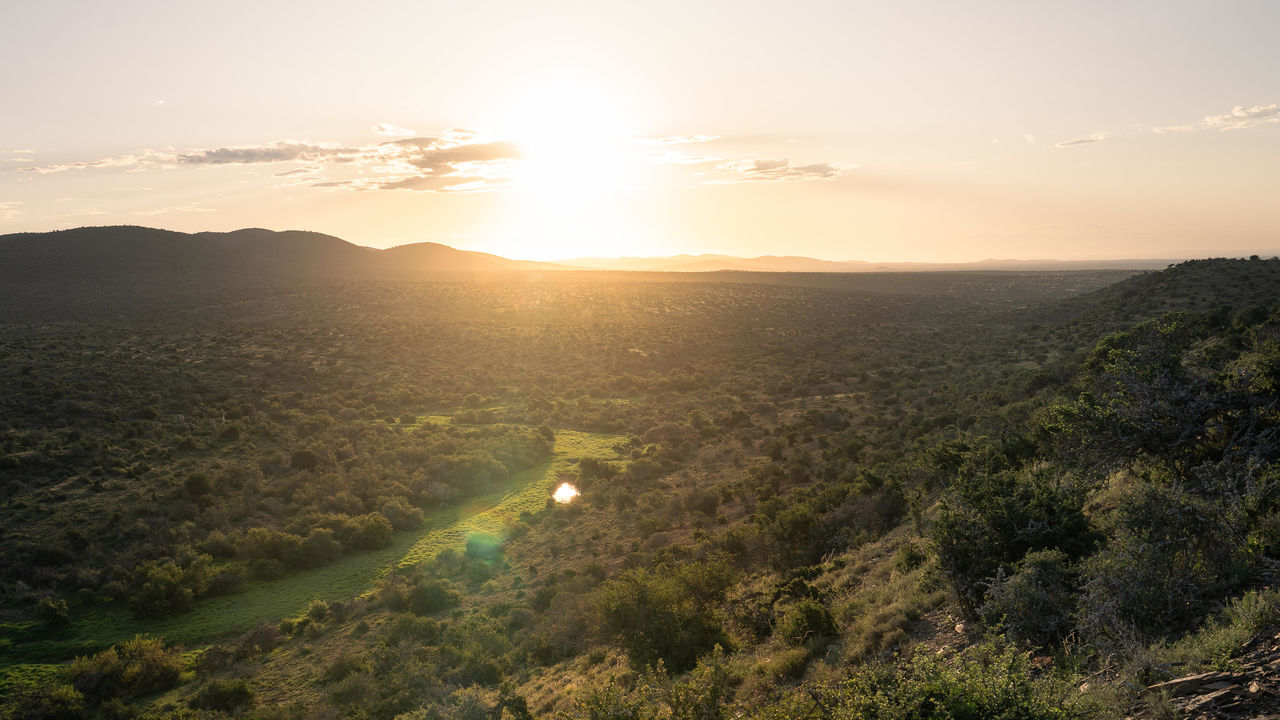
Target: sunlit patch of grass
{"x": 14, "y": 678}
{"x": 95, "y": 627}
{"x": 529, "y": 492}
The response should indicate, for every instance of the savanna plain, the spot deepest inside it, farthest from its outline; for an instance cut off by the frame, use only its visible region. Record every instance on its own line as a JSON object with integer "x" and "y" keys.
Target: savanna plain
{"x": 592, "y": 495}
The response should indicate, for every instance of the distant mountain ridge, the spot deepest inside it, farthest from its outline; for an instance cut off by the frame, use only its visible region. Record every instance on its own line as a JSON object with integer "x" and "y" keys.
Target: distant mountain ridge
{"x": 131, "y": 251}
{"x": 794, "y": 263}
{"x": 127, "y": 253}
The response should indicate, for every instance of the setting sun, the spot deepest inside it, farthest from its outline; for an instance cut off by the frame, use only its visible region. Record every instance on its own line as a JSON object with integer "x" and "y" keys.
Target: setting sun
{"x": 571, "y": 187}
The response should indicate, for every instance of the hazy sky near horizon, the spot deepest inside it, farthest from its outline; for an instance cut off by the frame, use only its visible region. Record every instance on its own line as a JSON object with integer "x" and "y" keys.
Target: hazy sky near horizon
{"x": 927, "y": 131}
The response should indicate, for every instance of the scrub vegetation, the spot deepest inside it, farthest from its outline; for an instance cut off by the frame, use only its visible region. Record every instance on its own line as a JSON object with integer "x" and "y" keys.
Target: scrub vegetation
{"x": 916, "y": 495}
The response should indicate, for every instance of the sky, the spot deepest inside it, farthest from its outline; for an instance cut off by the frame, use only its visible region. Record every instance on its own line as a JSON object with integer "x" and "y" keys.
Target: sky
{"x": 940, "y": 131}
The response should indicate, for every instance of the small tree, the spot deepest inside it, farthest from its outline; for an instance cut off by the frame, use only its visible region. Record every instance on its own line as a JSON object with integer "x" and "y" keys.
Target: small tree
{"x": 53, "y": 613}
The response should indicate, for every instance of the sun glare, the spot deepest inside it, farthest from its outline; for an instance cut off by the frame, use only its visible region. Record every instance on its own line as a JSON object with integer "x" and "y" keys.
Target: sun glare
{"x": 575, "y": 176}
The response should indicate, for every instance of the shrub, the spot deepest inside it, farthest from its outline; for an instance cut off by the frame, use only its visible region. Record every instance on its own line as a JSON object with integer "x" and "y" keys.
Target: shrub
{"x": 1170, "y": 552}
{"x": 428, "y": 597}
{"x": 223, "y": 695}
{"x": 664, "y": 613}
{"x": 52, "y": 702}
{"x": 806, "y": 621}
{"x": 1035, "y": 604}
{"x": 320, "y": 548}
{"x": 415, "y": 629}
{"x": 304, "y": 460}
{"x": 226, "y": 581}
{"x": 318, "y": 611}
{"x": 197, "y": 485}
{"x": 993, "y": 521}
{"x": 343, "y": 666}
{"x": 374, "y": 532}
{"x": 979, "y": 683}
{"x": 136, "y": 667}
{"x": 401, "y": 514}
{"x": 703, "y": 501}
{"x": 161, "y": 591}
{"x": 52, "y": 613}
{"x": 788, "y": 664}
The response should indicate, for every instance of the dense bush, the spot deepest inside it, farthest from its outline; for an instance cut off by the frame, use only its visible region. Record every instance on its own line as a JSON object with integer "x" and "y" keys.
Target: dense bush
{"x": 664, "y": 613}
{"x": 1169, "y": 553}
{"x": 52, "y": 612}
{"x": 805, "y": 622}
{"x": 979, "y": 683}
{"x": 223, "y": 695}
{"x": 430, "y": 596}
{"x": 1035, "y": 603}
{"x": 140, "y": 666}
{"x": 989, "y": 522}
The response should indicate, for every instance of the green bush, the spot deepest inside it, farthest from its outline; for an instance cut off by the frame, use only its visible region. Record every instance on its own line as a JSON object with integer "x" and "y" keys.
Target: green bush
{"x": 401, "y": 514}
{"x": 1170, "y": 553}
{"x": 161, "y": 590}
{"x": 53, "y": 613}
{"x": 304, "y": 460}
{"x": 980, "y": 683}
{"x": 46, "y": 702}
{"x": 664, "y": 613}
{"x": 428, "y": 597}
{"x": 133, "y": 668}
{"x": 805, "y": 622}
{"x": 1035, "y": 604}
{"x": 319, "y": 548}
{"x": 374, "y": 532}
{"x": 993, "y": 521}
{"x": 226, "y": 581}
{"x": 224, "y": 695}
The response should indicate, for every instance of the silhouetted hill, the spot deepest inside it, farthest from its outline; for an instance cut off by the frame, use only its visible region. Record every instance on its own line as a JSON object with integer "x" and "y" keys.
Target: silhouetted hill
{"x": 129, "y": 272}
{"x": 137, "y": 254}
{"x": 427, "y": 257}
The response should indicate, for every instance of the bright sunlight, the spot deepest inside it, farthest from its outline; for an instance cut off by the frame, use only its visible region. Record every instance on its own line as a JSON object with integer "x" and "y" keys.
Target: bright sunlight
{"x": 577, "y": 171}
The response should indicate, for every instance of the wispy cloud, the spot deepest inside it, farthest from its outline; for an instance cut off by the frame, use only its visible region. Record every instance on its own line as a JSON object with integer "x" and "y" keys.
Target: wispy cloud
{"x": 285, "y": 151}
{"x": 1243, "y": 117}
{"x": 389, "y": 130}
{"x": 458, "y": 160}
{"x": 9, "y": 209}
{"x": 1240, "y": 118}
{"x": 1094, "y": 138}
{"x": 773, "y": 171}
{"x": 126, "y": 162}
